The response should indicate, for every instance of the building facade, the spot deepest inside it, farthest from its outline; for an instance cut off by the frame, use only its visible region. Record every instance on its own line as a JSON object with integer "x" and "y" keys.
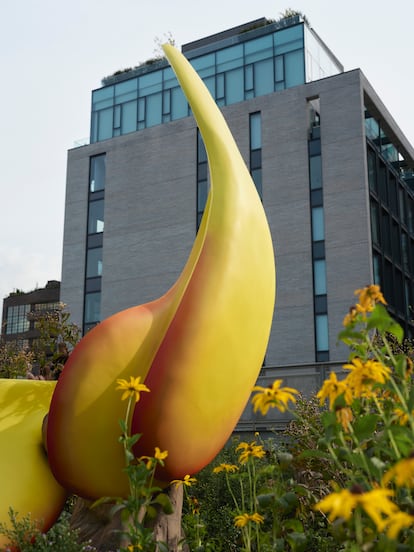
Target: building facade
{"x": 333, "y": 170}
{"x": 21, "y": 309}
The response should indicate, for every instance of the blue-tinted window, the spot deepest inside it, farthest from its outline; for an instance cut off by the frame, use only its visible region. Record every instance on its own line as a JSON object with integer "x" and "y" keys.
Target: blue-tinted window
{"x": 205, "y": 65}
{"x": 288, "y": 39}
{"x": 319, "y": 276}
{"x": 94, "y": 262}
{"x": 248, "y": 77}
{"x": 260, "y": 48}
{"x": 92, "y": 308}
{"x": 169, "y": 78}
{"x": 233, "y": 74}
{"x": 154, "y": 110}
{"x": 202, "y": 193}
{"x": 105, "y": 124}
{"x": 102, "y": 98}
{"x": 255, "y": 131}
{"x": 229, "y": 58}
{"x": 96, "y": 217}
{"x": 97, "y": 173}
{"x": 279, "y": 69}
{"x": 129, "y": 117}
{"x": 126, "y": 91}
{"x": 294, "y": 68}
{"x": 263, "y": 77}
{"x": 377, "y": 269}
{"x": 322, "y": 335}
{"x": 234, "y": 86}
{"x": 150, "y": 83}
{"x": 315, "y": 168}
{"x": 318, "y": 231}
{"x": 220, "y": 92}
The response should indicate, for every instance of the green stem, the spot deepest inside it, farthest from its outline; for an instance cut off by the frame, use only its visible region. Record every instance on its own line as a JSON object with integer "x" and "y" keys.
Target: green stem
{"x": 389, "y": 432}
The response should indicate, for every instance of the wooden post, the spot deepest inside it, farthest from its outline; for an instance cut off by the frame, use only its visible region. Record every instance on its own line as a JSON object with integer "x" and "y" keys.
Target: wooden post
{"x": 104, "y": 530}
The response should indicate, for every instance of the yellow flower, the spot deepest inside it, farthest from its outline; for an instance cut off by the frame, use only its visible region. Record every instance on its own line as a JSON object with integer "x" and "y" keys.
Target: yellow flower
{"x": 344, "y": 417}
{"x": 332, "y": 389}
{"x": 273, "y": 396}
{"x": 364, "y": 375}
{"x": 250, "y": 450}
{"x": 228, "y": 468}
{"x": 351, "y": 316}
{"x": 402, "y": 473}
{"x": 402, "y": 416}
{"x": 340, "y": 504}
{"x": 243, "y": 519}
{"x": 368, "y": 297}
{"x": 194, "y": 504}
{"x": 133, "y": 547}
{"x": 377, "y": 504}
{"x": 187, "y": 481}
{"x": 131, "y": 387}
{"x": 158, "y": 455}
{"x": 397, "y": 521}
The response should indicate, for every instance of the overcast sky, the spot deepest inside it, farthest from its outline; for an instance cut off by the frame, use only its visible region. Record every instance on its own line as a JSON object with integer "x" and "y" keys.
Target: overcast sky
{"x": 53, "y": 53}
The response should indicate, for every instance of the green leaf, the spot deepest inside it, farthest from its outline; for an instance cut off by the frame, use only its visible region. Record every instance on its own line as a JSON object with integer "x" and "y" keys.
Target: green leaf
{"x": 403, "y": 438}
{"x": 381, "y": 320}
{"x": 294, "y": 525}
{"x": 164, "y": 501}
{"x": 364, "y": 426}
{"x": 266, "y": 500}
{"x": 297, "y": 541}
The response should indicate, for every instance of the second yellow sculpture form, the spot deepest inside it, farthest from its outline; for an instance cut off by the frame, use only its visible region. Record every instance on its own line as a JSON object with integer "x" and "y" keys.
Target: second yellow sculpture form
{"x": 199, "y": 348}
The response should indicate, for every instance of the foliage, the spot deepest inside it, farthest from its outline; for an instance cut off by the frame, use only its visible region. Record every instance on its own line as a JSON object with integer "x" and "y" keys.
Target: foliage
{"x": 14, "y": 362}
{"x": 342, "y": 475}
{"x": 57, "y": 337}
{"x": 25, "y": 536}
{"x": 45, "y": 359}
{"x": 145, "y": 498}
{"x": 289, "y": 12}
{"x": 339, "y": 478}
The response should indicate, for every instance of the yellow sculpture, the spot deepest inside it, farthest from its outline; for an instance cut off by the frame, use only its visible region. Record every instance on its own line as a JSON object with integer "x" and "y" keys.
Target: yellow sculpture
{"x": 27, "y": 484}
{"x": 199, "y": 348}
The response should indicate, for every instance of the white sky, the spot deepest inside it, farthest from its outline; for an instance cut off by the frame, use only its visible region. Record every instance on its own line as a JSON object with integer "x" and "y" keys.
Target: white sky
{"x": 53, "y": 53}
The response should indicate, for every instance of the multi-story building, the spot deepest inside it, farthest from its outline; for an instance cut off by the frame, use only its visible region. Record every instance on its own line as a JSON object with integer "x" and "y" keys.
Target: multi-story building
{"x": 20, "y": 310}
{"x": 331, "y": 165}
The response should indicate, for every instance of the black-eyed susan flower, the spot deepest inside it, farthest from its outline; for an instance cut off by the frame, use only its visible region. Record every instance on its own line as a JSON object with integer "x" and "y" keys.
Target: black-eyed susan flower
{"x": 273, "y": 396}
{"x": 250, "y": 450}
{"x": 402, "y": 416}
{"x": 339, "y": 504}
{"x": 402, "y": 473}
{"x": 228, "y": 468}
{"x": 332, "y": 389}
{"x": 131, "y": 388}
{"x": 187, "y": 481}
{"x": 396, "y": 522}
{"x": 243, "y": 519}
{"x": 368, "y": 297}
{"x": 160, "y": 455}
{"x": 363, "y": 375}
{"x": 377, "y": 504}
{"x": 344, "y": 416}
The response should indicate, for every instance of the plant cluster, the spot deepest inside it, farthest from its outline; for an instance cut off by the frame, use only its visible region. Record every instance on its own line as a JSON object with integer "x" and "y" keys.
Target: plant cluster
{"x": 25, "y": 536}
{"x": 340, "y": 478}
{"x": 343, "y": 477}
